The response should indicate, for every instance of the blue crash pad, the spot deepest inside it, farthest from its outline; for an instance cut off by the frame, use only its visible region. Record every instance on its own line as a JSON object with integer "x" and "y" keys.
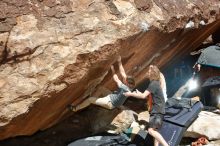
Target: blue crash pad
{"x": 186, "y": 116}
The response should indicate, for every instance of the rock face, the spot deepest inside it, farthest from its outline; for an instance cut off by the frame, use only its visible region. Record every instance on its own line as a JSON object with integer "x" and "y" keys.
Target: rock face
{"x": 116, "y": 120}
{"x": 214, "y": 143}
{"x": 207, "y": 124}
{"x": 54, "y": 52}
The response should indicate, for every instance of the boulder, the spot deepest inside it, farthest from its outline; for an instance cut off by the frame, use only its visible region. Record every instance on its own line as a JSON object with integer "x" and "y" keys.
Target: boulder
{"x": 214, "y": 143}
{"x": 55, "y": 52}
{"x": 113, "y": 121}
{"x": 207, "y": 124}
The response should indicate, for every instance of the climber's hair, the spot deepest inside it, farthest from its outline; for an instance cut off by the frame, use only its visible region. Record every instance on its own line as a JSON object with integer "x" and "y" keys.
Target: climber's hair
{"x": 130, "y": 80}
{"x": 153, "y": 73}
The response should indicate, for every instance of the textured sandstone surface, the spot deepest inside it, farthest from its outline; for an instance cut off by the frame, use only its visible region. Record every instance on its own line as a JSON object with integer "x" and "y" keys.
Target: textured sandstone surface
{"x": 54, "y": 52}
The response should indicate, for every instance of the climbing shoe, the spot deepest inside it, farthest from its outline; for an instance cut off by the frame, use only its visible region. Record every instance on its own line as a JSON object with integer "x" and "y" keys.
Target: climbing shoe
{"x": 71, "y": 107}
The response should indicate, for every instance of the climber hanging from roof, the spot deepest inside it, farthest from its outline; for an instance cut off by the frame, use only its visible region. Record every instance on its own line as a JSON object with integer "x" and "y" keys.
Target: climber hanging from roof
{"x": 115, "y": 99}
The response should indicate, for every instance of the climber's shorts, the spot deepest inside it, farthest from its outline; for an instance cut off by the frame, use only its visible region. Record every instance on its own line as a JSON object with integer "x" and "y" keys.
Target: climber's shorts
{"x": 156, "y": 121}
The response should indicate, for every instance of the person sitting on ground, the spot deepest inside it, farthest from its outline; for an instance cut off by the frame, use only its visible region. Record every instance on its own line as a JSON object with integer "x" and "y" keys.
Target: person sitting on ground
{"x": 114, "y": 99}
{"x": 157, "y": 112}
{"x": 197, "y": 67}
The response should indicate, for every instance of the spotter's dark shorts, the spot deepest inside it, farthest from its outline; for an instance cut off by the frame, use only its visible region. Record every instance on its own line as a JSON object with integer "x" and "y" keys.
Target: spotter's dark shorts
{"x": 156, "y": 121}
